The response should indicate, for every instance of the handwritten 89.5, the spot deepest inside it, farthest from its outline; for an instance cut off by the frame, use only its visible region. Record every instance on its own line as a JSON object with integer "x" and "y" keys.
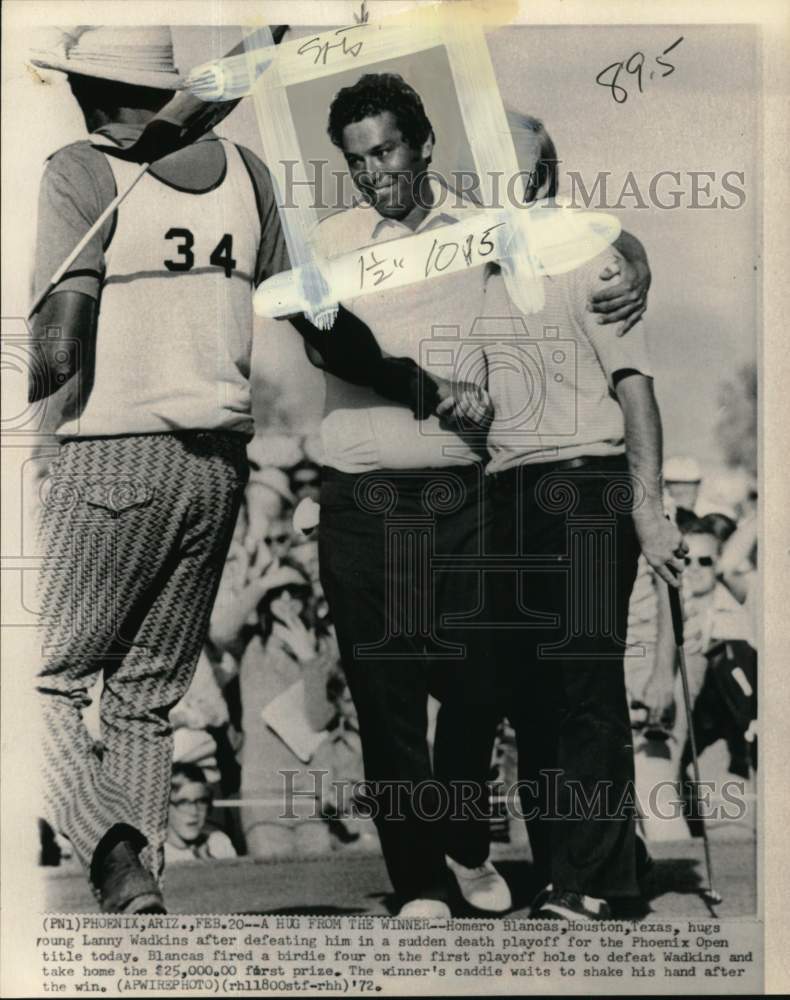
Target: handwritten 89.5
{"x": 635, "y": 65}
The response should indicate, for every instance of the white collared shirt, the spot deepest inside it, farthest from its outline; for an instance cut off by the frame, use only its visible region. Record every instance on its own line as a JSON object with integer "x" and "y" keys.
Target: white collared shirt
{"x": 426, "y": 322}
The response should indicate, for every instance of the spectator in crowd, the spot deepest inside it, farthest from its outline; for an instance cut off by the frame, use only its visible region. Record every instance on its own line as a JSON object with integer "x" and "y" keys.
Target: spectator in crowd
{"x": 720, "y": 555}
{"x": 269, "y": 502}
{"x": 241, "y": 552}
{"x": 199, "y": 716}
{"x": 721, "y": 525}
{"x": 270, "y": 456}
{"x": 711, "y": 610}
{"x": 250, "y": 571}
{"x": 278, "y": 534}
{"x": 306, "y": 480}
{"x": 712, "y": 614}
{"x": 661, "y": 749}
{"x": 725, "y": 490}
{"x": 305, "y": 552}
{"x": 188, "y": 837}
{"x": 285, "y": 673}
{"x": 737, "y": 566}
{"x": 240, "y": 593}
{"x": 682, "y": 479}
{"x": 339, "y": 807}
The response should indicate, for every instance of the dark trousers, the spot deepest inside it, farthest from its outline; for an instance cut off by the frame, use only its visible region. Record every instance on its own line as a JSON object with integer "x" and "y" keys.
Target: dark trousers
{"x": 397, "y": 553}
{"x": 570, "y": 543}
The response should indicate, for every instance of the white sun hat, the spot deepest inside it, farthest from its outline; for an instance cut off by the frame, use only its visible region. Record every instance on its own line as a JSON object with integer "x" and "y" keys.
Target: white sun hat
{"x": 142, "y": 57}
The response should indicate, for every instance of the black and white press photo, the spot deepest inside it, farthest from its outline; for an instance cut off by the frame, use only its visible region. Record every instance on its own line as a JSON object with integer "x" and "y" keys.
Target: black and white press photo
{"x": 385, "y": 456}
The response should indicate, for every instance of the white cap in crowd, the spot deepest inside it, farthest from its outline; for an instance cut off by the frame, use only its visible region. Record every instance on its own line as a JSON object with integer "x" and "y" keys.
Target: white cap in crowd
{"x": 682, "y": 469}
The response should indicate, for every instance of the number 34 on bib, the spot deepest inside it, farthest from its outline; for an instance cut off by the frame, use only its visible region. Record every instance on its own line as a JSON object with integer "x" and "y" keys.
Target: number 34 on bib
{"x": 184, "y": 252}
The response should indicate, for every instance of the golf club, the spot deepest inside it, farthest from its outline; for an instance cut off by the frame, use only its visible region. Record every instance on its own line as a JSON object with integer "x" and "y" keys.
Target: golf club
{"x": 709, "y": 894}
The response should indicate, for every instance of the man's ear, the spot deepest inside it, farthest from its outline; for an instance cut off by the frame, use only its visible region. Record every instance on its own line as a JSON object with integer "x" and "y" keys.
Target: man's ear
{"x": 426, "y": 150}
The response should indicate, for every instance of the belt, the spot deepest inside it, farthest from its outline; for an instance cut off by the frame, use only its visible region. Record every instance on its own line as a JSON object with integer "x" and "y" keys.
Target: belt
{"x": 591, "y": 462}
{"x": 469, "y": 471}
{"x": 183, "y": 434}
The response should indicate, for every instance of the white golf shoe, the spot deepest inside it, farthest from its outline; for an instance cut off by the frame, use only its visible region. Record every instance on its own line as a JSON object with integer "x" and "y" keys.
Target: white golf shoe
{"x": 482, "y": 887}
{"x": 431, "y": 909}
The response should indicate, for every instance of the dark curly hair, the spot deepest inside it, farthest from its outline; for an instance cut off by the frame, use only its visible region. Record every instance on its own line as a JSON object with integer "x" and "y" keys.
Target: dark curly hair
{"x": 373, "y": 94}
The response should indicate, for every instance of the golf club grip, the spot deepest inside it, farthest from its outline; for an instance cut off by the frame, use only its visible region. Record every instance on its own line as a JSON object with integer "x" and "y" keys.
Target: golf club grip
{"x": 677, "y": 614}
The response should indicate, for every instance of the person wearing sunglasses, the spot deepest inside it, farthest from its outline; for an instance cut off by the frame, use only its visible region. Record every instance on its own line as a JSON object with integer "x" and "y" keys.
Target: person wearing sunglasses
{"x": 188, "y": 839}
{"x": 720, "y": 650}
{"x": 712, "y": 613}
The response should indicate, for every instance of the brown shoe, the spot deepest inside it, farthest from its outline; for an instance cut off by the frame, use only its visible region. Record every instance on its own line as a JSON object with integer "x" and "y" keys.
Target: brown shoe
{"x": 124, "y": 885}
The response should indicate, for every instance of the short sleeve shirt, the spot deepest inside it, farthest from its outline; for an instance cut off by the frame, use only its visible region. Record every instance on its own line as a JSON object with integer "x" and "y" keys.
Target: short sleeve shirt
{"x": 174, "y": 333}
{"x": 551, "y": 378}
{"x": 78, "y": 185}
{"x": 362, "y": 431}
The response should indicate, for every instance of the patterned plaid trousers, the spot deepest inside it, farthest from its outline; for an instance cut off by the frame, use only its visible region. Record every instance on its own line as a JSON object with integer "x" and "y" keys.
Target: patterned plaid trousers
{"x": 134, "y": 534}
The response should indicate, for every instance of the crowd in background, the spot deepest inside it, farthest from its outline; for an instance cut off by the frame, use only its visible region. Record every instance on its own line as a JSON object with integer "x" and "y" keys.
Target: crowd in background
{"x": 717, "y": 515}
{"x": 269, "y": 698}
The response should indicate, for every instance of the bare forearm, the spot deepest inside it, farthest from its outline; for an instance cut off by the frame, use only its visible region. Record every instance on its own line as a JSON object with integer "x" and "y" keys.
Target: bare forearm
{"x": 659, "y": 539}
{"x": 643, "y": 439}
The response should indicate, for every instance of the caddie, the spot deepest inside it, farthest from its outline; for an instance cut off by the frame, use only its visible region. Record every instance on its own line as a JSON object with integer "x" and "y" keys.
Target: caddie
{"x": 143, "y": 355}
{"x": 144, "y": 349}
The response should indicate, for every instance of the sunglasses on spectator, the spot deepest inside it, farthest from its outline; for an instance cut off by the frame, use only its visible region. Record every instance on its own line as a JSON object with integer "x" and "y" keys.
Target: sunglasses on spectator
{"x": 276, "y": 539}
{"x": 699, "y": 560}
{"x": 202, "y": 803}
